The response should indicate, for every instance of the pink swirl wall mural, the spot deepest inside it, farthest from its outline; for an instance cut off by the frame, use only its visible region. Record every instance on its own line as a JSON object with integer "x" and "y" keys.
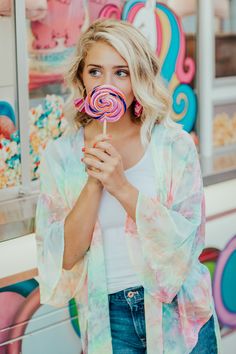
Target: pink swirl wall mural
{"x": 164, "y": 31}
{"x": 222, "y": 267}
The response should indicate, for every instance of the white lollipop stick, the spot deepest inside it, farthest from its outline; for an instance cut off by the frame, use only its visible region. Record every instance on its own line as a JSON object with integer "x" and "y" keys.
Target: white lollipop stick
{"x": 104, "y": 126}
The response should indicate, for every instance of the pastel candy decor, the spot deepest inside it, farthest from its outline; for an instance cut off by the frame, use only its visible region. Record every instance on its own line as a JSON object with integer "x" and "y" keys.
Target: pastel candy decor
{"x": 110, "y": 11}
{"x": 52, "y": 40}
{"x": 12, "y": 299}
{"x": 6, "y": 127}
{"x": 23, "y": 288}
{"x": 7, "y": 110}
{"x": 10, "y": 162}
{"x": 185, "y": 103}
{"x": 105, "y": 8}
{"x": 35, "y": 9}
{"x": 145, "y": 20}
{"x": 224, "y": 285}
{"x": 46, "y": 121}
{"x": 222, "y": 267}
{"x": 10, "y": 303}
{"x": 21, "y": 314}
{"x": 73, "y": 310}
{"x": 169, "y": 44}
{"x": 209, "y": 258}
{"x": 64, "y": 20}
{"x": 7, "y": 120}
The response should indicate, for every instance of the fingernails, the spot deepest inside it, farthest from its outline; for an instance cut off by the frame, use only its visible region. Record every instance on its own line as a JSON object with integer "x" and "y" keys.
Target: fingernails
{"x": 94, "y": 145}
{"x": 82, "y": 159}
{"x": 83, "y": 149}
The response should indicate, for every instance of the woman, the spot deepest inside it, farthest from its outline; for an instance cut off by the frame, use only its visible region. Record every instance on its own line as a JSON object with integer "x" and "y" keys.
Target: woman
{"x": 120, "y": 217}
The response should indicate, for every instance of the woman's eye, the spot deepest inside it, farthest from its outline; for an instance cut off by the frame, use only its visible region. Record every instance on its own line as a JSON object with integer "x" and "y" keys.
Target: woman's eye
{"x": 122, "y": 73}
{"x": 94, "y": 72}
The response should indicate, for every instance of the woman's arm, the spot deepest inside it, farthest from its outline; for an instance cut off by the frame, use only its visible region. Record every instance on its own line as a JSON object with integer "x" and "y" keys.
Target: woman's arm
{"x": 169, "y": 228}
{"x": 79, "y": 223}
{"x": 57, "y": 284}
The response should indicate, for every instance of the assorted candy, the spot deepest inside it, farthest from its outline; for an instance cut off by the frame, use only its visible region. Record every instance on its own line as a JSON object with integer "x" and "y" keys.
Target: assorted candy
{"x": 46, "y": 122}
{"x": 224, "y": 129}
{"x": 10, "y": 170}
{"x": 7, "y": 126}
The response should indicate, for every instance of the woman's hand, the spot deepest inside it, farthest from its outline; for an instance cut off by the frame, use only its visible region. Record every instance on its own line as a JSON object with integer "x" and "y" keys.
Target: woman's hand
{"x": 105, "y": 164}
{"x": 92, "y": 180}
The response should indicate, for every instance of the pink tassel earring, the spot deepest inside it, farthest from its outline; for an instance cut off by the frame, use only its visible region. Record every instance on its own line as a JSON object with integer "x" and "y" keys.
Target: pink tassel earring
{"x": 138, "y": 108}
{"x": 79, "y": 104}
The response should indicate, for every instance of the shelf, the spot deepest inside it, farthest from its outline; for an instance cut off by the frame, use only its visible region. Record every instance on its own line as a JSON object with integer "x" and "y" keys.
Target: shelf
{"x": 224, "y": 90}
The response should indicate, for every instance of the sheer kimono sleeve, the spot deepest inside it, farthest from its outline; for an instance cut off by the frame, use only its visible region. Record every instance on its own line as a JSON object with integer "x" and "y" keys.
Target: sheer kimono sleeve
{"x": 57, "y": 285}
{"x": 171, "y": 231}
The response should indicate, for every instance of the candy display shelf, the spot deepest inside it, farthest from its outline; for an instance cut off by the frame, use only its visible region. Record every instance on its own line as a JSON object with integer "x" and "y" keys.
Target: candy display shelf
{"x": 17, "y": 217}
{"x": 222, "y": 164}
{"x": 224, "y": 126}
{"x": 218, "y": 168}
{"x": 218, "y": 162}
{"x": 224, "y": 90}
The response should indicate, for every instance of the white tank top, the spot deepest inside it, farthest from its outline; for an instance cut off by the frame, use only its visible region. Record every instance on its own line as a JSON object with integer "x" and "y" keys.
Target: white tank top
{"x": 119, "y": 271}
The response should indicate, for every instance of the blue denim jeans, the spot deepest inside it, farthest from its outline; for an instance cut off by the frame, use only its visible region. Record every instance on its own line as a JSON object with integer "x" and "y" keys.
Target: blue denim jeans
{"x": 128, "y": 331}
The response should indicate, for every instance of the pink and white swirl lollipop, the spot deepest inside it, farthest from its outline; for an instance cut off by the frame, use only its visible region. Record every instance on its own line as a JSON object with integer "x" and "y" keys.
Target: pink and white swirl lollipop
{"x": 106, "y": 103}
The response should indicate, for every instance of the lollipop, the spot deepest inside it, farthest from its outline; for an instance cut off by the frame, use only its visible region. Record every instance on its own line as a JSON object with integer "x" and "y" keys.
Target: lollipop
{"x": 105, "y": 102}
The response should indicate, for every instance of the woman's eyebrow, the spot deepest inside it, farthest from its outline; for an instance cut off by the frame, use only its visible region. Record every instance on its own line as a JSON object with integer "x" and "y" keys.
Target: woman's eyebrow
{"x": 114, "y": 67}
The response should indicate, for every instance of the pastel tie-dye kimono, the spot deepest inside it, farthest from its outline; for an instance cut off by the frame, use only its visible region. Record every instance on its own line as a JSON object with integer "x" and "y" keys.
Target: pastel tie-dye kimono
{"x": 164, "y": 245}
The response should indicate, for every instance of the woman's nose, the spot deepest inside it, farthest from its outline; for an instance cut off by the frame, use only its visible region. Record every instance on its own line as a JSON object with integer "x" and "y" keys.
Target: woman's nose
{"x": 108, "y": 79}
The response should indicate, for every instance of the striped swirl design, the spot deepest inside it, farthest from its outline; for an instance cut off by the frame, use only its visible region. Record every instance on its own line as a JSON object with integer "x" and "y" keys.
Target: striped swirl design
{"x": 177, "y": 71}
{"x": 105, "y": 102}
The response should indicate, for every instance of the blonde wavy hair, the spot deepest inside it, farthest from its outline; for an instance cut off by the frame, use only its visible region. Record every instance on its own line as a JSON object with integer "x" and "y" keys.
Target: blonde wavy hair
{"x": 144, "y": 68}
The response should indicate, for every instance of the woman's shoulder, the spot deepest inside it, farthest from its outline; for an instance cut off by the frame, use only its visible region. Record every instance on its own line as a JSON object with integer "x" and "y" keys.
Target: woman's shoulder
{"x": 170, "y": 132}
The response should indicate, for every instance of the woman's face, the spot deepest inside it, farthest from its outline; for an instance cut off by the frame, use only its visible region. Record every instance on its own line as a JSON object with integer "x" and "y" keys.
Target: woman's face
{"x": 104, "y": 65}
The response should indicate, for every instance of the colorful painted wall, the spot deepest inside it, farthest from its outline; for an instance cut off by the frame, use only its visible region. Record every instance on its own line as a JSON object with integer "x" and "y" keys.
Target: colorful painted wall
{"x": 27, "y": 327}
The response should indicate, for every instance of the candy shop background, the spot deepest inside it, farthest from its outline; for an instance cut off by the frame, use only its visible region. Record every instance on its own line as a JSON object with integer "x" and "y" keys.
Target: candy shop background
{"x": 51, "y": 30}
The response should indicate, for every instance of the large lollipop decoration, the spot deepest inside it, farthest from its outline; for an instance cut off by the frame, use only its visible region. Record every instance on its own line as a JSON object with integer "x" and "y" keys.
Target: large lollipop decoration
{"x": 106, "y": 103}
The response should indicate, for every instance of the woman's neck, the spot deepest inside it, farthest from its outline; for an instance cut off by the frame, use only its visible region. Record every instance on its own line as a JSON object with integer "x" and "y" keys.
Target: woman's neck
{"x": 119, "y": 129}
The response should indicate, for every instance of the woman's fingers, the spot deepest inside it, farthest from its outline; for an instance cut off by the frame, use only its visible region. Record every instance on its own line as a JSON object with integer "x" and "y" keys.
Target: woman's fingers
{"x": 100, "y": 137}
{"x": 99, "y": 154}
{"x": 92, "y": 163}
{"x": 107, "y": 148}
